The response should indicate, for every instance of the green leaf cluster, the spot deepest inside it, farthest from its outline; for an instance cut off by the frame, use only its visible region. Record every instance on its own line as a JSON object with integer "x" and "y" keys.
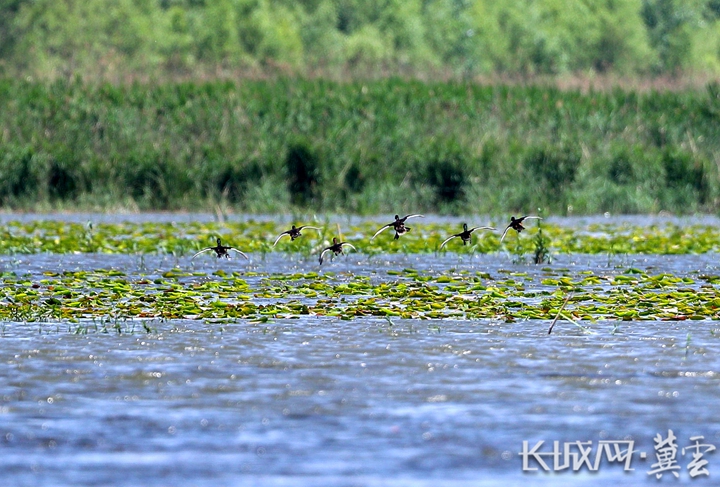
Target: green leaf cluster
{"x": 183, "y": 239}
{"x": 117, "y": 39}
{"x": 100, "y": 298}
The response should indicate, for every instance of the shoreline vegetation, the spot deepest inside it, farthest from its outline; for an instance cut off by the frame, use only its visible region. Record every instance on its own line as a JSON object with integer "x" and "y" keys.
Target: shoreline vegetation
{"x": 360, "y": 107}
{"x": 360, "y": 146}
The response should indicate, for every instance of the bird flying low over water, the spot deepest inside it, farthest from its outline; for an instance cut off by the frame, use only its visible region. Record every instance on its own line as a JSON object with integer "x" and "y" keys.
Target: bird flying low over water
{"x": 398, "y": 225}
{"x": 336, "y": 248}
{"x": 516, "y": 224}
{"x": 220, "y": 251}
{"x": 464, "y": 235}
{"x": 294, "y": 233}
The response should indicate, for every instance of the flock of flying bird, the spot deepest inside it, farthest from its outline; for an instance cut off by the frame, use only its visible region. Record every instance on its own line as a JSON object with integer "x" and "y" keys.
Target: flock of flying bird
{"x": 398, "y": 225}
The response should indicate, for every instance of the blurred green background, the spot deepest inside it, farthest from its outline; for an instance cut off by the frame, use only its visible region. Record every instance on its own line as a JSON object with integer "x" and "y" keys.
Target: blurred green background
{"x": 362, "y": 106}
{"x": 116, "y": 39}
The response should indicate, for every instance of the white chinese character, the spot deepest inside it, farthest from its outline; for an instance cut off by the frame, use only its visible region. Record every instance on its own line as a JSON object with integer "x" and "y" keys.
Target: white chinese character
{"x": 574, "y": 454}
{"x": 584, "y": 450}
{"x": 697, "y": 465}
{"x": 537, "y": 456}
{"x": 616, "y": 453}
{"x": 666, "y": 453}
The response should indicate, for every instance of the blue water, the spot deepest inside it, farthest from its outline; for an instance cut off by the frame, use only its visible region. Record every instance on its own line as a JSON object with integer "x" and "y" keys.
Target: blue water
{"x": 323, "y": 401}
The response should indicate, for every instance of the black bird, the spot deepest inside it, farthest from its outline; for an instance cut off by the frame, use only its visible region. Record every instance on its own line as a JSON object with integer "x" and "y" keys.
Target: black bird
{"x": 220, "y": 251}
{"x": 516, "y": 224}
{"x": 336, "y": 248}
{"x": 398, "y": 225}
{"x": 464, "y": 235}
{"x": 294, "y": 233}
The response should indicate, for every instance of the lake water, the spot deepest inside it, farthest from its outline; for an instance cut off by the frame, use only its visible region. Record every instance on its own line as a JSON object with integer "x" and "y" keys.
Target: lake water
{"x": 324, "y": 401}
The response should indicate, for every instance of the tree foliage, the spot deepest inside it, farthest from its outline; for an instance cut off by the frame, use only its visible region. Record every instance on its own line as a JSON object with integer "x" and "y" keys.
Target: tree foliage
{"x": 115, "y": 38}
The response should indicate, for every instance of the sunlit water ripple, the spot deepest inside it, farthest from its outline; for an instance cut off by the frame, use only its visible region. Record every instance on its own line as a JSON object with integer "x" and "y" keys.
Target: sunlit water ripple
{"x": 322, "y": 401}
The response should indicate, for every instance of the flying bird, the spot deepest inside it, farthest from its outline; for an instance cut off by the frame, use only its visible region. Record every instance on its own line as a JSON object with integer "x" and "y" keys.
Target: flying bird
{"x": 464, "y": 235}
{"x": 220, "y": 251}
{"x": 336, "y": 248}
{"x": 398, "y": 225}
{"x": 294, "y": 233}
{"x": 516, "y": 224}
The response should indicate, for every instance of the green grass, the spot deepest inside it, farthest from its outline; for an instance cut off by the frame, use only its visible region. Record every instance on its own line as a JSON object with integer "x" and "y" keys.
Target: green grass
{"x": 357, "y": 147}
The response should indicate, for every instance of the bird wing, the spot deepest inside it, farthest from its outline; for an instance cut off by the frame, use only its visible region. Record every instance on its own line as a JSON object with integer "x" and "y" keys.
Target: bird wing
{"x": 322, "y": 254}
{"x": 239, "y": 252}
{"x": 447, "y": 240}
{"x": 308, "y": 226}
{"x": 504, "y": 233}
{"x": 411, "y": 216}
{"x": 382, "y": 229}
{"x": 481, "y": 228}
{"x": 350, "y": 245}
{"x": 531, "y": 217}
{"x": 281, "y": 236}
{"x": 202, "y": 252}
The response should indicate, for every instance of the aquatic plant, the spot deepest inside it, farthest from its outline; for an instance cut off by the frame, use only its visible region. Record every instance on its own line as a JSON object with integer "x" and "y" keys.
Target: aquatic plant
{"x": 541, "y": 253}
{"x": 254, "y": 236}
{"x": 119, "y": 299}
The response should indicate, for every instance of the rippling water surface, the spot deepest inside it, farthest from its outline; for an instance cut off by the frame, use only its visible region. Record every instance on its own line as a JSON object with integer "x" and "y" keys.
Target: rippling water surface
{"x": 324, "y": 401}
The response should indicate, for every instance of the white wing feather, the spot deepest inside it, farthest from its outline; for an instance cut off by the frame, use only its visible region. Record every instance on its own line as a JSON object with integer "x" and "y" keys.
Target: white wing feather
{"x": 280, "y": 236}
{"x": 446, "y": 241}
{"x": 481, "y": 228}
{"x": 239, "y": 252}
{"x": 382, "y": 230}
{"x": 322, "y": 254}
{"x": 202, "y": 252}
{"x": 504, "y": 233}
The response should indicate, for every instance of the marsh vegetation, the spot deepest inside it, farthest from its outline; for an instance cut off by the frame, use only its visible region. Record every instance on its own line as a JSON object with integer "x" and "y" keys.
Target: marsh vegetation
{"x": 360, "y": 147}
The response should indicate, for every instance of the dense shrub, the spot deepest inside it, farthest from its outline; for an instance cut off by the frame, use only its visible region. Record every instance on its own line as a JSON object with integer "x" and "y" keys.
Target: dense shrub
{"x": 445, "y": 171}
{"x": 303, "y": 172}
{"x": 16, "y": 178}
